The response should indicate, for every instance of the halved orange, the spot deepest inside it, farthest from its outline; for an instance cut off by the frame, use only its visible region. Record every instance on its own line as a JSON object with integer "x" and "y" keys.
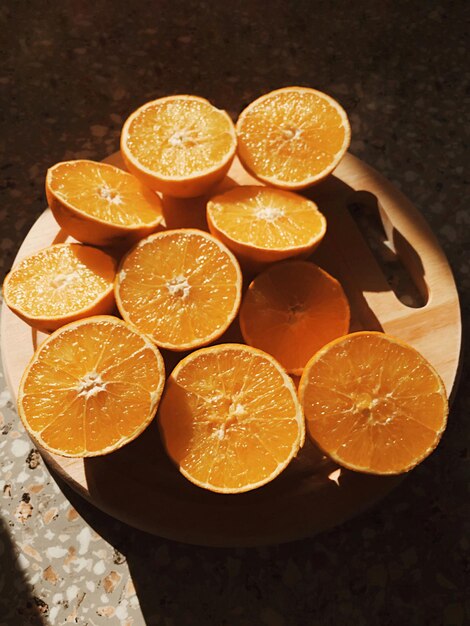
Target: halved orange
{"x": 291, "y": 310}
{"x": 101, "y": 204}
{"x": 180, "y": 287}
{"x": 60, "y": 284}
{"x": 179, "y": 145}
{"x": 292, "y": 137}
{"x": 91, "y": 387}
{"x": 373, "y": 403}
{"x": 263, "y": 224}
{"x": 230, "y": 419}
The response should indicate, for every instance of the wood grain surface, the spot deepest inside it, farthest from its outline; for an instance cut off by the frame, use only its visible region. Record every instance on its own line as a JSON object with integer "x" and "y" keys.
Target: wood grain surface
{"x": 139, "y": 485}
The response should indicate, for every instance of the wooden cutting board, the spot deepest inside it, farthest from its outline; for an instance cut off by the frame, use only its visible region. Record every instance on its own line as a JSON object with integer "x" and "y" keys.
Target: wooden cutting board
{"x": 140, "y": 486}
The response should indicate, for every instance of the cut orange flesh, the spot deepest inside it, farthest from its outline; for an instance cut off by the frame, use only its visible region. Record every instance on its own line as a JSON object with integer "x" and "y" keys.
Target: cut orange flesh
{"x": 91, "y": 387}
{"x": 101, "y": 204}
{"x": 291, "y": 310}
{"x": 179, "y": 145}
{"x": 60, "y": 284}
{"x": 230, "y": 418}
{"x": 373, "y": 403}
{"x": 292, "y": 137}
{"x": 265, "y": 224}
{"x": 180, "y": 287}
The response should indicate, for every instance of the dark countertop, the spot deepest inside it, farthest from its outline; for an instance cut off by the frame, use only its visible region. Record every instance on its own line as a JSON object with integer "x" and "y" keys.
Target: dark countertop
{"x": 71, "y": 73}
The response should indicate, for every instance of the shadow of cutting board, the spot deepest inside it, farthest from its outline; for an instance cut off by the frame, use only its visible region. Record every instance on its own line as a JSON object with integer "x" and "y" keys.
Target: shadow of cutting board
{"x": 139, "y": 485}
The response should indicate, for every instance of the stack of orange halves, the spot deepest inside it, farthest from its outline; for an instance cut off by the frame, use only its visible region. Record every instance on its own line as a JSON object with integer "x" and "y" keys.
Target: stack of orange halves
{"x": 229, "y": 413}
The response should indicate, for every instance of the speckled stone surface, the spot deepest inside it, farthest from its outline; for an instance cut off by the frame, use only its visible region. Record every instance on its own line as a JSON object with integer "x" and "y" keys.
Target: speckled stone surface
{"x": 70, "y": 74}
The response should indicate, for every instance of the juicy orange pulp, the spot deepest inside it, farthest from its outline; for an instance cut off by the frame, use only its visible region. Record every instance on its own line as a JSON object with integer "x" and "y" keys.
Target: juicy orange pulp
{"x": 91, "y": 387}
{"x": 373, "y": 403}
{"x": 98, "y": 203}
{"x": 179, "y": 145}
{"x": 292, "y": 137}
{"x": 60, "y": 284}
{"x": 263, "y": 224}
{"x": 230, "y": 418}
{"x": 291, "y": 310}
{"x": 180, "y": 287}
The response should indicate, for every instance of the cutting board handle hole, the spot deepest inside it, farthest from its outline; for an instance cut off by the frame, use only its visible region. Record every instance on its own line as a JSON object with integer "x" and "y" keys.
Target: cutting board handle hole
{"x": 397, "y": 258}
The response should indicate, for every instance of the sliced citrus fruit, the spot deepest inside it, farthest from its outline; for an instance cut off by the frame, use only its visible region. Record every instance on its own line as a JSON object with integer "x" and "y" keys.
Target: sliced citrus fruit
{"x": 180, "y": 287}
{"x": 373, "y": 403}
{"x": 291, "y": 310}
{"x": 91, "y": 387}
{"x": 60, "y": 284}
{"x": 230, "y": 418}
{"x": 179, "y": 145}
{"x": 292, "y": 137}
{"x": 101, "y": 204}
{"x": 263, "y": 224}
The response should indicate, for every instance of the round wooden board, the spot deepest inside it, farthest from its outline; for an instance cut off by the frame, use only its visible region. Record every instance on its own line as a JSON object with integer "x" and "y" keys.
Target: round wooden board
{"x": 140, "y": 486}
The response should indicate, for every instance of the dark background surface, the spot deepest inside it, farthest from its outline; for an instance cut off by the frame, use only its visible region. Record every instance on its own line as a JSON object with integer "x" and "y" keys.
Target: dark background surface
{"x": 71, "y": 73}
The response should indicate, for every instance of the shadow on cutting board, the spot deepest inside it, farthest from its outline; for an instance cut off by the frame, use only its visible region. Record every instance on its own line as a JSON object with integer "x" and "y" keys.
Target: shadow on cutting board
{"x": 384, "y": 562}
{"x": 365, "y": 251}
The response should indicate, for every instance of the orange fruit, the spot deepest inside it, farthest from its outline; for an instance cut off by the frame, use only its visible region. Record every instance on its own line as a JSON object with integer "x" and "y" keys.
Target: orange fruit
{"x": 60, "y": 284}
{"x": 230, "y": 419}
{"x": 373, "y": 403}
{"x": 179, "y": 145}
{"x": 101, "y": 204}
{"x": 291, "y": 310}
{"x": 181, "y": 287}
{"x": 292, "y": 137}
{"x": 263, "y": 224}
{"x": 91, "y": 387}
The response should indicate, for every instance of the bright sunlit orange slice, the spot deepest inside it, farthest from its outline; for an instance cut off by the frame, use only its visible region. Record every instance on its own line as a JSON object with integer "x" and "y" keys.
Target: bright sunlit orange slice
{"x": 101, "y": 204}
{"x": 373, "y": 403}
{"x": 180, "y": 287}
{"x": 292, "y": 137}
{"x": 291, "y": 310}
{"x": 91, "y": 387}
{"x": 60, "y": 284}
{"x": 230, "y": 418}
{"x": 179, "y": 145}
{"x": 263, "y": 224}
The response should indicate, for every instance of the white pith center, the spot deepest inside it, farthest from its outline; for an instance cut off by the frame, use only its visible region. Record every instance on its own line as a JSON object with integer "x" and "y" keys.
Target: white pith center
{"x": 180, "y": 138}
{"x": 63, "y": 280}
{"x": 269, "y": 213}
{"x": 179, "y": 286}
{"x": 291, "y": 133}
{"x": 235, "y": 411}
{"x": 366, "y": 405}
{"x": 110, "y": 195}
{"x": 91, "y": 385}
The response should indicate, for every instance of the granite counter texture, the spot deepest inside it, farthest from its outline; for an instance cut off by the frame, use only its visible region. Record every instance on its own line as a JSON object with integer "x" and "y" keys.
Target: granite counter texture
{"x": 71, "y": 73}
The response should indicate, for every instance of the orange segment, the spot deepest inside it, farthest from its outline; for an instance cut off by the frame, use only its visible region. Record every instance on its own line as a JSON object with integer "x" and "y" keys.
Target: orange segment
{"x": 291, "y": 310}
{"x": 265, "y": 224}
{"x": 180, "y": 287}
{"x": 91, "y": 387}
{"x": 100, "y": 204}
{"x": 230, "y": 418}
{"x": 179, "y": 145}
{"x": 292, "y": 137}
{"x": 59, "y": 284}
{"x": 373, "y": 403}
